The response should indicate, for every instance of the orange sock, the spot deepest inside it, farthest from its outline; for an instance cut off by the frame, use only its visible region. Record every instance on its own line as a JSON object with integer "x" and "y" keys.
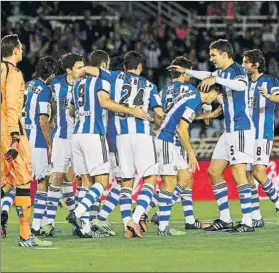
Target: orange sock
{"x": 23, "y": 207}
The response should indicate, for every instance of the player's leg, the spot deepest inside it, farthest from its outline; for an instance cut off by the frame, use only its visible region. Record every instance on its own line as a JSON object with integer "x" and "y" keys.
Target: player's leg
{"x": 95, "y": 157}
{"x": 147, "y": 167}
{"x": 257, "y": 218}
{"x": 167, "y": 159}
{"x": 218, "y": 165}
{"x": 242, "y": 154}
{"x": 68, "y": 191}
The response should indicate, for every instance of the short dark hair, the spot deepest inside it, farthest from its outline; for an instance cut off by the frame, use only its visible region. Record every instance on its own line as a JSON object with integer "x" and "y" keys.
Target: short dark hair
{"x": 45, "y": 67}
{"x": 181, "y": 61}
{"x": 256, "y": 56}
{"x": 116, "y": 63}
{"x": 222, "y": 46}
{"x": 132, "y": 59}
{"x": 97, "y": 57}
{"x": 8, "y": 44}
{"x": 217, "y": 87}
{"x": 68, "y": 60}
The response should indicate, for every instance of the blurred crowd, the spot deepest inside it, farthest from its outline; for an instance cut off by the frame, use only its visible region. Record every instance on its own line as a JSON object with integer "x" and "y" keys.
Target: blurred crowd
{"x": 150, "y": 36}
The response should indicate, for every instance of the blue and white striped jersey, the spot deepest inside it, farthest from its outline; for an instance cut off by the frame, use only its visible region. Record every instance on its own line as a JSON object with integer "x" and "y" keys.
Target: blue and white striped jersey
{"x": 62, "y": 95}
{"x": 261, "y": 109}
{"x": 185, "y": 106}
{"x": 132, "y": 90}
{"x": 90, "y": 117}
{"x": 170, "y": 92}
{"x": 235, "y": 103}
{"x": 37, "y": 103}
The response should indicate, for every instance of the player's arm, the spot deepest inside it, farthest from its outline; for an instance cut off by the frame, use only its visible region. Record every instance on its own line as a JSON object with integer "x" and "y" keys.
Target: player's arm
{"x": 214, "y": 114}
{"x": 274, "y": 96}
{"x": 91, "y": 70}
{"x": 45, "y": 127}
{"x": 159, "y": 117}
{"x": 53, "y": 113}
{"x": 183, "y": 132}
{"x": 155, "y": 103}
{"x": 14, "y": 81}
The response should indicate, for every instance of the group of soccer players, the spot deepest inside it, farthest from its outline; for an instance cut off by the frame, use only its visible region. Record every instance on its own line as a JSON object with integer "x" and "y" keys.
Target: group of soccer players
{"x": 87, "y": 122}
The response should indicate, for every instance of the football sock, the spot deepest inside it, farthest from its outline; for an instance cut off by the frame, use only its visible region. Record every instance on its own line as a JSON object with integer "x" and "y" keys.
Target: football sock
{"x": 165, "y": 204}
{"x": 77, "y": 195}
{"x": 8, "y": 200}
{"x": 125, "y": 202}
{"x": 187, "y": 205}
{"x": 94, "y": 210}
{"x": 53, "y": 197}
{"x": 255, "y": 204}
{"x": 68, "y": 193}
{"x": 154, "y": 202}
{"x": 244, "y": 192}
{"x": 177, "y": 192}
{"x": 270, "y": 191}
{"x": 40, "y": 202}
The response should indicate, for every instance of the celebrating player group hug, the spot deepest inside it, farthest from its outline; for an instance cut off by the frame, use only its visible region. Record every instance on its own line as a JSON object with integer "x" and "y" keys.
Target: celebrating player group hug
{"x": 86, "y": 122}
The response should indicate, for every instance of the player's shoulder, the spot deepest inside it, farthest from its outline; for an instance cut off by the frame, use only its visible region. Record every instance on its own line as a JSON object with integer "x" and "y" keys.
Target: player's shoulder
{"x": 58, "y": 79}
{"x": 237, "y": 69}
{"x": 271, "y": 80}
{"x": 10, "y": 69}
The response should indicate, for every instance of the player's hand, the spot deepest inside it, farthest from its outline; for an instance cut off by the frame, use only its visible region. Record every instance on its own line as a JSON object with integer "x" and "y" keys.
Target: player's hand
{"x": 193, "y": 163}
{"x": 207, "y": 121}
{"x": 177, "y": 68}
{"x": 14, "y": 148}
{"x": 220, "y": 98}
{"x": 138, "y": 112}
{"x": 205, "y": 84}
{"x": 264, "y": 93}
{"x": 217, "y": 112}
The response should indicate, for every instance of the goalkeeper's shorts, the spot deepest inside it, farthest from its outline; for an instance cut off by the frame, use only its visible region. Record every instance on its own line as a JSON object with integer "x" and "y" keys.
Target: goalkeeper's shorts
{"x": 19, "y": 171}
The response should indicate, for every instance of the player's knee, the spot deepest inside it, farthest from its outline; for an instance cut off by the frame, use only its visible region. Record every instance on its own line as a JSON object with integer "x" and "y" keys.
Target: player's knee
{"x": 213, "y": 172}
{"x": 239, "y": 174}
{"x": 57, "y": 179}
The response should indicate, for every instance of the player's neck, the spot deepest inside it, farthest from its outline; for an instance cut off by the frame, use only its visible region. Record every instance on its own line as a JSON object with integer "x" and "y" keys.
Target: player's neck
{"x": 180, "y": 79}
{"x": 70, "y": 79}
{"x": 228, "y": 64}
{"x": 10, "y": 60}
{"x": 255, "y": 76}
{"x": 134, "y": 71}
{"x": 44, "y": 81}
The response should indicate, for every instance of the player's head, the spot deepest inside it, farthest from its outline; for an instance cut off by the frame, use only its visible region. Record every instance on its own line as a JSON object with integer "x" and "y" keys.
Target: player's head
{"x": 72, "y": 63}
{"x": 220, "y": 53}
{"x": 46, "y": 69}
{"x": 99, "y": 58}
{"x": 212, "y": 94}
{"x": 133, "y": 61}
{"x": 116, "y": 63}
{"x": 11, "y": 47}
{"x": 183, "y": 62}
{"x": 253, "y": 61}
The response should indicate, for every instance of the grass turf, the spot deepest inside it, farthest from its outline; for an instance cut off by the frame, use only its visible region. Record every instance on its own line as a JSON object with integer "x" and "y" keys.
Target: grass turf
{"x": 196, "y": 252}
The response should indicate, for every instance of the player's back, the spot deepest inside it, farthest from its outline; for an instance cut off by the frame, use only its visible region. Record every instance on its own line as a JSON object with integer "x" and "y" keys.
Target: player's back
{"x": 90, "y": 117}
{"x": 262, "y": 109}
{"x": 235, "y": 103}
{"x": 62, "y": 95}
{"x": 185, "y": 106}
{"x": 132, "y": 90}
{"x": 37, "y": 101}
{"x": 11, "y": 106}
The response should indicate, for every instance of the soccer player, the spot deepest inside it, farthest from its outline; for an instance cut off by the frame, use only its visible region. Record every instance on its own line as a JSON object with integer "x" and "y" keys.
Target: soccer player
{"x": 61, "y": 158}
{"x": 37, "y": 111}
{"x": 263, "y": 93}
{"x": 16, "y": 167}
{"x": 180, "y": 113}
{"x": 91, "y": 100}
{"x": 180, "y": 84}
{"x": 235, "y": 146}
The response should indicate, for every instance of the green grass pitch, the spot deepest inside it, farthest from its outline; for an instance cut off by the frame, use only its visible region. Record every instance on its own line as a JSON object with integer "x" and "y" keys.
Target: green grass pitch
{"x": 196, "y": 252}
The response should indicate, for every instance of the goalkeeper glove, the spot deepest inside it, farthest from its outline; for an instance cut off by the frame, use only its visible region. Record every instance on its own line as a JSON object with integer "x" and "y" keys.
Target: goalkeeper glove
{"x": 13, "y": 151}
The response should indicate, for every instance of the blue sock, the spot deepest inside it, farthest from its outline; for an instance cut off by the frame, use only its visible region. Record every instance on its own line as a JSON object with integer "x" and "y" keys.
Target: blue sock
{"x": 125, "y": 202}
{"x": 94, "y": 210}
{"x": 40, "y": 202}
{"x": 94, "y": 193}
{"x": 8, "y": 200}
{"x": 187, "y": 205}
{"x": 53, "y": 197}
{"x": 222, "y": 197}
{"x": 154, "y": 202}
{"x": 244, "y": 192}
{"x": 270, "y": 191}
{"x": 177, "y": 192}
{"x": 165, "y": 205}
{"x": 255, "y": 204}
{"x": 144, "y": 198}
{"x": 68, "y": 193}
{"x": 111, "y": 202}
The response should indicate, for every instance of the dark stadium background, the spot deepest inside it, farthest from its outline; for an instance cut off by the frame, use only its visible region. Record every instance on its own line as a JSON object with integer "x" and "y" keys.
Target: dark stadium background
{"x": 159, "y": 30}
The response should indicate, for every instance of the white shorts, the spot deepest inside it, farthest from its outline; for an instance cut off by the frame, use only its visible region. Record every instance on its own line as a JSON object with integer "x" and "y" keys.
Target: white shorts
{"x": 40, "y": 163}
{"x": 62, "y": 156}
{"x": 169, "y": 157}
{"x": 262, "y": 151}
{"x": 90, "y": 154}
{"x": 114, "y": 165}
{"x": 136, "y": 152}
{"x": 182, "y": 162}
{"x": 236, "y": 147}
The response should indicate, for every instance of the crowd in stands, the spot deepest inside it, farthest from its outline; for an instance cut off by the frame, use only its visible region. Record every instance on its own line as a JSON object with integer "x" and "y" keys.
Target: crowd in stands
{"x": 150, "y": 36}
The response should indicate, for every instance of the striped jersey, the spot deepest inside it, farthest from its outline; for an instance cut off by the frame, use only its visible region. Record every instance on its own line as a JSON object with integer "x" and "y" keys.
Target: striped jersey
{"x": 171, "y": 91}
{"x": 90, "y": 117}
{"x": 185, "y": 106}
{"x": 132, "y": 90}
{"x": 38, "y": 99}
{"x": 262, "y": 109}
{"x": 235, "y": 103}
{"x": 62, "y": 95}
